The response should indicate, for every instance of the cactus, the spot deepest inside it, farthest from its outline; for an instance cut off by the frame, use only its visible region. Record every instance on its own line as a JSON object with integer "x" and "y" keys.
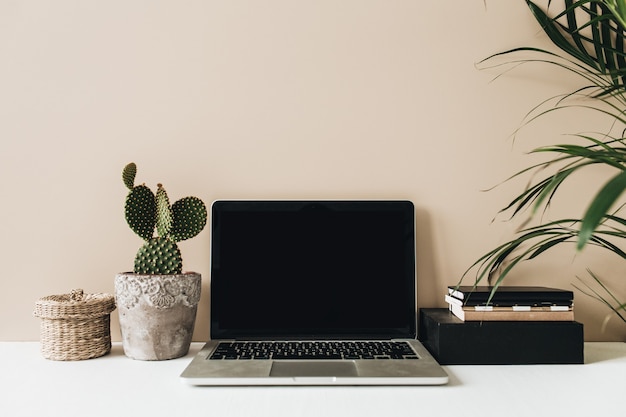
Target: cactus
{"x": 146, "y": 211}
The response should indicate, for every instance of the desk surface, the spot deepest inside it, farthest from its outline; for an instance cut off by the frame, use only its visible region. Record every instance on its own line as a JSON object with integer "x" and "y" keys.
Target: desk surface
{"x": 114, "y": 385}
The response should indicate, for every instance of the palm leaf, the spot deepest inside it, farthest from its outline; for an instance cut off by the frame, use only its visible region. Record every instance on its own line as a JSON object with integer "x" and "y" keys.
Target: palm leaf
{"x": 589, "y": 291}
{"x": 600, "y": 205}
{"x": 552, "y": 29}
{"x": 589, "y": 35}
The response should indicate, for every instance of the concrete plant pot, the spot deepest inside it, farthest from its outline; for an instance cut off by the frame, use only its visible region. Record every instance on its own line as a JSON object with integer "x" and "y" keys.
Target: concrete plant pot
{"x": 157, "y": 313}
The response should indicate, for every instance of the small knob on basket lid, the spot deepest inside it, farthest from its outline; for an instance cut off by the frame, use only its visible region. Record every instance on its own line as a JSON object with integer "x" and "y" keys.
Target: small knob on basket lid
{"x": 76, "y": 295}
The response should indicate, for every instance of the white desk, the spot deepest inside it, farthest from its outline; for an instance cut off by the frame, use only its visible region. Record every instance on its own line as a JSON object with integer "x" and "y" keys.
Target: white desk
{"x": 114, "y": 385}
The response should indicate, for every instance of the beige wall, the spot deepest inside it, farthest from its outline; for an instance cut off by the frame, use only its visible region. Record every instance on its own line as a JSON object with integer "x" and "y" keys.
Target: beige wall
{"x": 262, "y": 99}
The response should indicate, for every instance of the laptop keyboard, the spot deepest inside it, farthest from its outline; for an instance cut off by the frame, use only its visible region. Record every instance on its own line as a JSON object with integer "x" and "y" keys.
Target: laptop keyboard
{"x": 312, "y": 350}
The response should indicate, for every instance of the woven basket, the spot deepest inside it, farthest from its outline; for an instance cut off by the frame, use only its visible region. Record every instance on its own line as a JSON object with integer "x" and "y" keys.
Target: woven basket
{"x": 75, "y": 326}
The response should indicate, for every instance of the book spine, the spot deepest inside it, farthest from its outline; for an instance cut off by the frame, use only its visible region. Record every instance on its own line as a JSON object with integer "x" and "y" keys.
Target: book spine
{"x": 508, "y": 303}
{"x": 516, "y": 308}
{"x": 468, "y": 314}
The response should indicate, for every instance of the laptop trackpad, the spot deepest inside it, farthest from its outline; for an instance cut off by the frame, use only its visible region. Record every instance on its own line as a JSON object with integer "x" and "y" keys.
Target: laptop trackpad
{"x": 316, "y": 368}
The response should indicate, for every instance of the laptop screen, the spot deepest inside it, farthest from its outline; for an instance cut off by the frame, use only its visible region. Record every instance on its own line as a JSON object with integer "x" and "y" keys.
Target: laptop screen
{"x": 312, "y": 269}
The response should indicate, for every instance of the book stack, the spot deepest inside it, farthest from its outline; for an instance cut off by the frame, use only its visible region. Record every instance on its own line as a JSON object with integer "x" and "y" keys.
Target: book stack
{"x": 510, "y": 303}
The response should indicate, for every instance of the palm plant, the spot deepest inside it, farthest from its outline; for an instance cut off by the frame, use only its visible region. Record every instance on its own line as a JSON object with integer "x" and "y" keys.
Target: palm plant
{"x": 590, "y": 35}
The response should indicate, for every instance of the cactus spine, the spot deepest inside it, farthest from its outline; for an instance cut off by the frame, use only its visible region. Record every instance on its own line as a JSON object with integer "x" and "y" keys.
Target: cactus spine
{"x": 146, "y": 211}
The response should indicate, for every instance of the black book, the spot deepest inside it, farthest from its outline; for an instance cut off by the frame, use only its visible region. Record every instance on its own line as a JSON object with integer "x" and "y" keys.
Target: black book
{"x": 456, "y": 342}
{"x": 511, "y": 296}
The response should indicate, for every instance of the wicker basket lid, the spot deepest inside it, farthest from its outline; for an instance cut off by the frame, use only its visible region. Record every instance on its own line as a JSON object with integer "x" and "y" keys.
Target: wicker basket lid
{"x": 74, "y": 305}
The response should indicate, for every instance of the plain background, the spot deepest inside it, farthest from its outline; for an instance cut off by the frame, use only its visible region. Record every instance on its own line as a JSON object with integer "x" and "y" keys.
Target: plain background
{"x": 271, "y": 99}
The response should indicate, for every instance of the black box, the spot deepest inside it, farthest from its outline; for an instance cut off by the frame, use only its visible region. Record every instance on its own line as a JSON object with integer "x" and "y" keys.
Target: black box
{"x": 455, "y": 342}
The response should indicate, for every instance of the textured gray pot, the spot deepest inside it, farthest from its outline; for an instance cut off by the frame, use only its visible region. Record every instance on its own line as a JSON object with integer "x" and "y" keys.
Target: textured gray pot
{"x": 157, "y": 313}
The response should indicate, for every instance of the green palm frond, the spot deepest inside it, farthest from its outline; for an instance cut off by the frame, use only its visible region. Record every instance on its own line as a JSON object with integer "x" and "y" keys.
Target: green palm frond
{"x": 531, "y": 242}
{"x": 609, "y": 300}
{"x": 591, "y": 42}
{"x": 569, "y": 160}
{"x": 600, "y": 205}
{"x": 602, "y": 49}
{"x": 618, "y": 9}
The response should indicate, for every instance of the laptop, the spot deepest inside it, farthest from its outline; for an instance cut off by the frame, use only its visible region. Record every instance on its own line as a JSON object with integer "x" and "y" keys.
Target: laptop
{"x": 313, "y": 293}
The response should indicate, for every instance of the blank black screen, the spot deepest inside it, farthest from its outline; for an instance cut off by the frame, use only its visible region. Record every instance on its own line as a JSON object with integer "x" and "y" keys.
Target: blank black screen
{"x": 323, "y": 269}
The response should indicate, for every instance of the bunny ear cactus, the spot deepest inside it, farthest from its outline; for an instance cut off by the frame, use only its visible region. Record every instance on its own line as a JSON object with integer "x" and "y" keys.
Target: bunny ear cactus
{"x": 146, "y": 211}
